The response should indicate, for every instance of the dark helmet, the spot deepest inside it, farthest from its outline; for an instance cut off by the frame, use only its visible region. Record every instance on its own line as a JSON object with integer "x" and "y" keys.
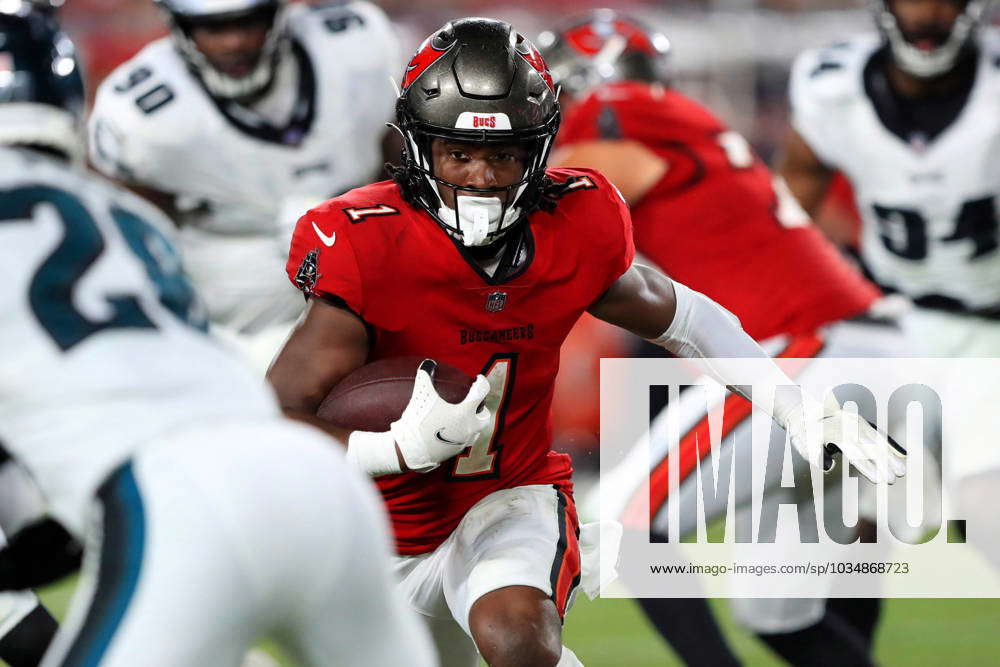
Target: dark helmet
{"x": 41, "y": 85}
{"x": 604, "y": 45}
{"x": 185, "y": 14}
{"x": 939, "y": 60}
{"x": 476, "y": 80}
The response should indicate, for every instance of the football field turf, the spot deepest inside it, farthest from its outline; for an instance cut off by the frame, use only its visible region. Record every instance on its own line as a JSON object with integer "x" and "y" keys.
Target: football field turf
{"x": 613, "y": 633}
{"x": 920, "y": 632}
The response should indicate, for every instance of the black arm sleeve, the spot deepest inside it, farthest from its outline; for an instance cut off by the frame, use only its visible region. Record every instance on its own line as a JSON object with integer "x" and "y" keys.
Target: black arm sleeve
{"x": 38, "y": 554}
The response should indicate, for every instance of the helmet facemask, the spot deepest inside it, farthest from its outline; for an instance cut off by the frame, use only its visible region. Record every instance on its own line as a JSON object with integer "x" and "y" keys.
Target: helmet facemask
{"x": 927, "y": 64}
{"x": 221, "y": 85}
{"x": 480, "y": 215}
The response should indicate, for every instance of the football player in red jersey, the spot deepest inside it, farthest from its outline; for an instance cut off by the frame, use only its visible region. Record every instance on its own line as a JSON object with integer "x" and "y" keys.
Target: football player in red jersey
{"x": 476, "y": 255}
{"x": 707, "y": 211}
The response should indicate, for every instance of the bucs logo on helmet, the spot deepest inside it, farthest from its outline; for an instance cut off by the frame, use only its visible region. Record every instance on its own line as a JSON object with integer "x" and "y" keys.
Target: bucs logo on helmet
{"x": 428, "y": 52}
{"x": 604, "y": 45}
{"x": 531, "y": 54}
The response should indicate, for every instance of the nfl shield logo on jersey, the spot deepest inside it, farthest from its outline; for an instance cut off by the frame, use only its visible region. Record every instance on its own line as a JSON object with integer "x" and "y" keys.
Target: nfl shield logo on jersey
{"x": 496, "y": 301}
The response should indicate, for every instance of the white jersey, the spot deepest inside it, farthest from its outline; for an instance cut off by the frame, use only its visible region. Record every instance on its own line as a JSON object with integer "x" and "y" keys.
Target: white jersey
{"x": 928, "y": 207}
{"x": 240, "y": 181}
{"x": 102, "y": 348}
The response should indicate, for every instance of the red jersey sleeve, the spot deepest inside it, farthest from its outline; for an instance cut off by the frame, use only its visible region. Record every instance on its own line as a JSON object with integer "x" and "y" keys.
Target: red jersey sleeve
{"x": 618, "y": 230}
{"x": 322, "y": 261}
{"x": 624, "y": 245}
{"x": 600, "y": 219}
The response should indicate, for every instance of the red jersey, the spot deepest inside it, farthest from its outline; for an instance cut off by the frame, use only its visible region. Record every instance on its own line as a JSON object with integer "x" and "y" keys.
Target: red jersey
{"x": 714, "y": 221}
{"x": 420, "y": 294}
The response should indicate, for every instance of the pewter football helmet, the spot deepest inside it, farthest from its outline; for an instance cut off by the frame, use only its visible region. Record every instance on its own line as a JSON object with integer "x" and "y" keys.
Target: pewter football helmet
{"x": 476, "y": 80}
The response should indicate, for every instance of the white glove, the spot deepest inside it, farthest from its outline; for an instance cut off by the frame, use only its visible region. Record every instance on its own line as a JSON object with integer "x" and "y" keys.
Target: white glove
{"x": 818, "y": 433}
{"x": 431, "y": 429}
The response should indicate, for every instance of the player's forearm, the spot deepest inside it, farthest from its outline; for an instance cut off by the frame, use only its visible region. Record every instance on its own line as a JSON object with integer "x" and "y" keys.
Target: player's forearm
{"x": 373, "y": 453}
{"x": 296, "y": 395}
{"x": 807, "y": 177}
{"x": 340, "y": 434}
{"x": 689, "y": 324}
{"x": 326, "y": 345}
{"x": 707, "y": 333}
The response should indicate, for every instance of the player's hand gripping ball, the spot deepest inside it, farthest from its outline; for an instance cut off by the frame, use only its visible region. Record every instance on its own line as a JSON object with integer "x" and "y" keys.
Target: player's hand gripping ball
{"x": 375, "y": 395}
{"x": 431, "y": 411}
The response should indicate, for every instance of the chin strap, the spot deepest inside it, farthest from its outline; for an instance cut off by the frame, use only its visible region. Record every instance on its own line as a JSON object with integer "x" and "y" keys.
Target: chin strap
{"x": 476, "y": 233}
{"x": 478, "y": 220}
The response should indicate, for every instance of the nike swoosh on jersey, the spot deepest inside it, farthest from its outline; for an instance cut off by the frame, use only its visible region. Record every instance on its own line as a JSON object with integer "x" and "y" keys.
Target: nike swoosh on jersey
{"x": 446, "y": 440}
{"x": 327, "y": 240}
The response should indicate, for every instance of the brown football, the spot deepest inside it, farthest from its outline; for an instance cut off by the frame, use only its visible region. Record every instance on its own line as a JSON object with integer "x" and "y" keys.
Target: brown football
{"x": 375, "y": 395}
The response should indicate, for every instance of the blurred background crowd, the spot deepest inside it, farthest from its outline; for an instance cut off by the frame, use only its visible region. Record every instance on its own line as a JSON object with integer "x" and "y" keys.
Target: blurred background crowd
{"x": 745, "y": 81}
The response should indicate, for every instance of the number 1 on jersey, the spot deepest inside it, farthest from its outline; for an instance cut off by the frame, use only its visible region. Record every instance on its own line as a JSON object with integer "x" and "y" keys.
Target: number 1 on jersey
{"x": 481, "y": 461}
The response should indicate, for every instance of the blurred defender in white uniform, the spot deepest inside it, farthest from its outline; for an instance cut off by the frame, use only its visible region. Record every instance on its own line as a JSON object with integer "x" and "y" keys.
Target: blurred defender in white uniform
{"x": 912, "y": 118}
{"x": 913, "y": 121}
{"x": 209, "y": 520}
{"x": 250, "y": 113}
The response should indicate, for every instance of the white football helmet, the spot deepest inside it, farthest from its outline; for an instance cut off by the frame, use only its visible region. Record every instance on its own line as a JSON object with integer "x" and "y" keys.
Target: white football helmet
{"x": 185, "y": 13}
{"x": 934, "y": 62}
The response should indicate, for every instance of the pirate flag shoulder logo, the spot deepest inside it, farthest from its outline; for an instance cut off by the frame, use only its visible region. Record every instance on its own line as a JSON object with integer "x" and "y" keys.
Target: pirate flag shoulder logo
{"x": 308, "y": 273}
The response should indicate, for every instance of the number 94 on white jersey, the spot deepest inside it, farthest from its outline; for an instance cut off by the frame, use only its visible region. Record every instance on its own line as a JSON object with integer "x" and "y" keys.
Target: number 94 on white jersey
{"x": 929, "y": 206}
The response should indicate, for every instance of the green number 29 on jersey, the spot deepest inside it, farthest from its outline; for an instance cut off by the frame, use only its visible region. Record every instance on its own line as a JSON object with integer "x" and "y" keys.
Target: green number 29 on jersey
{"x": 52, "y": 288}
